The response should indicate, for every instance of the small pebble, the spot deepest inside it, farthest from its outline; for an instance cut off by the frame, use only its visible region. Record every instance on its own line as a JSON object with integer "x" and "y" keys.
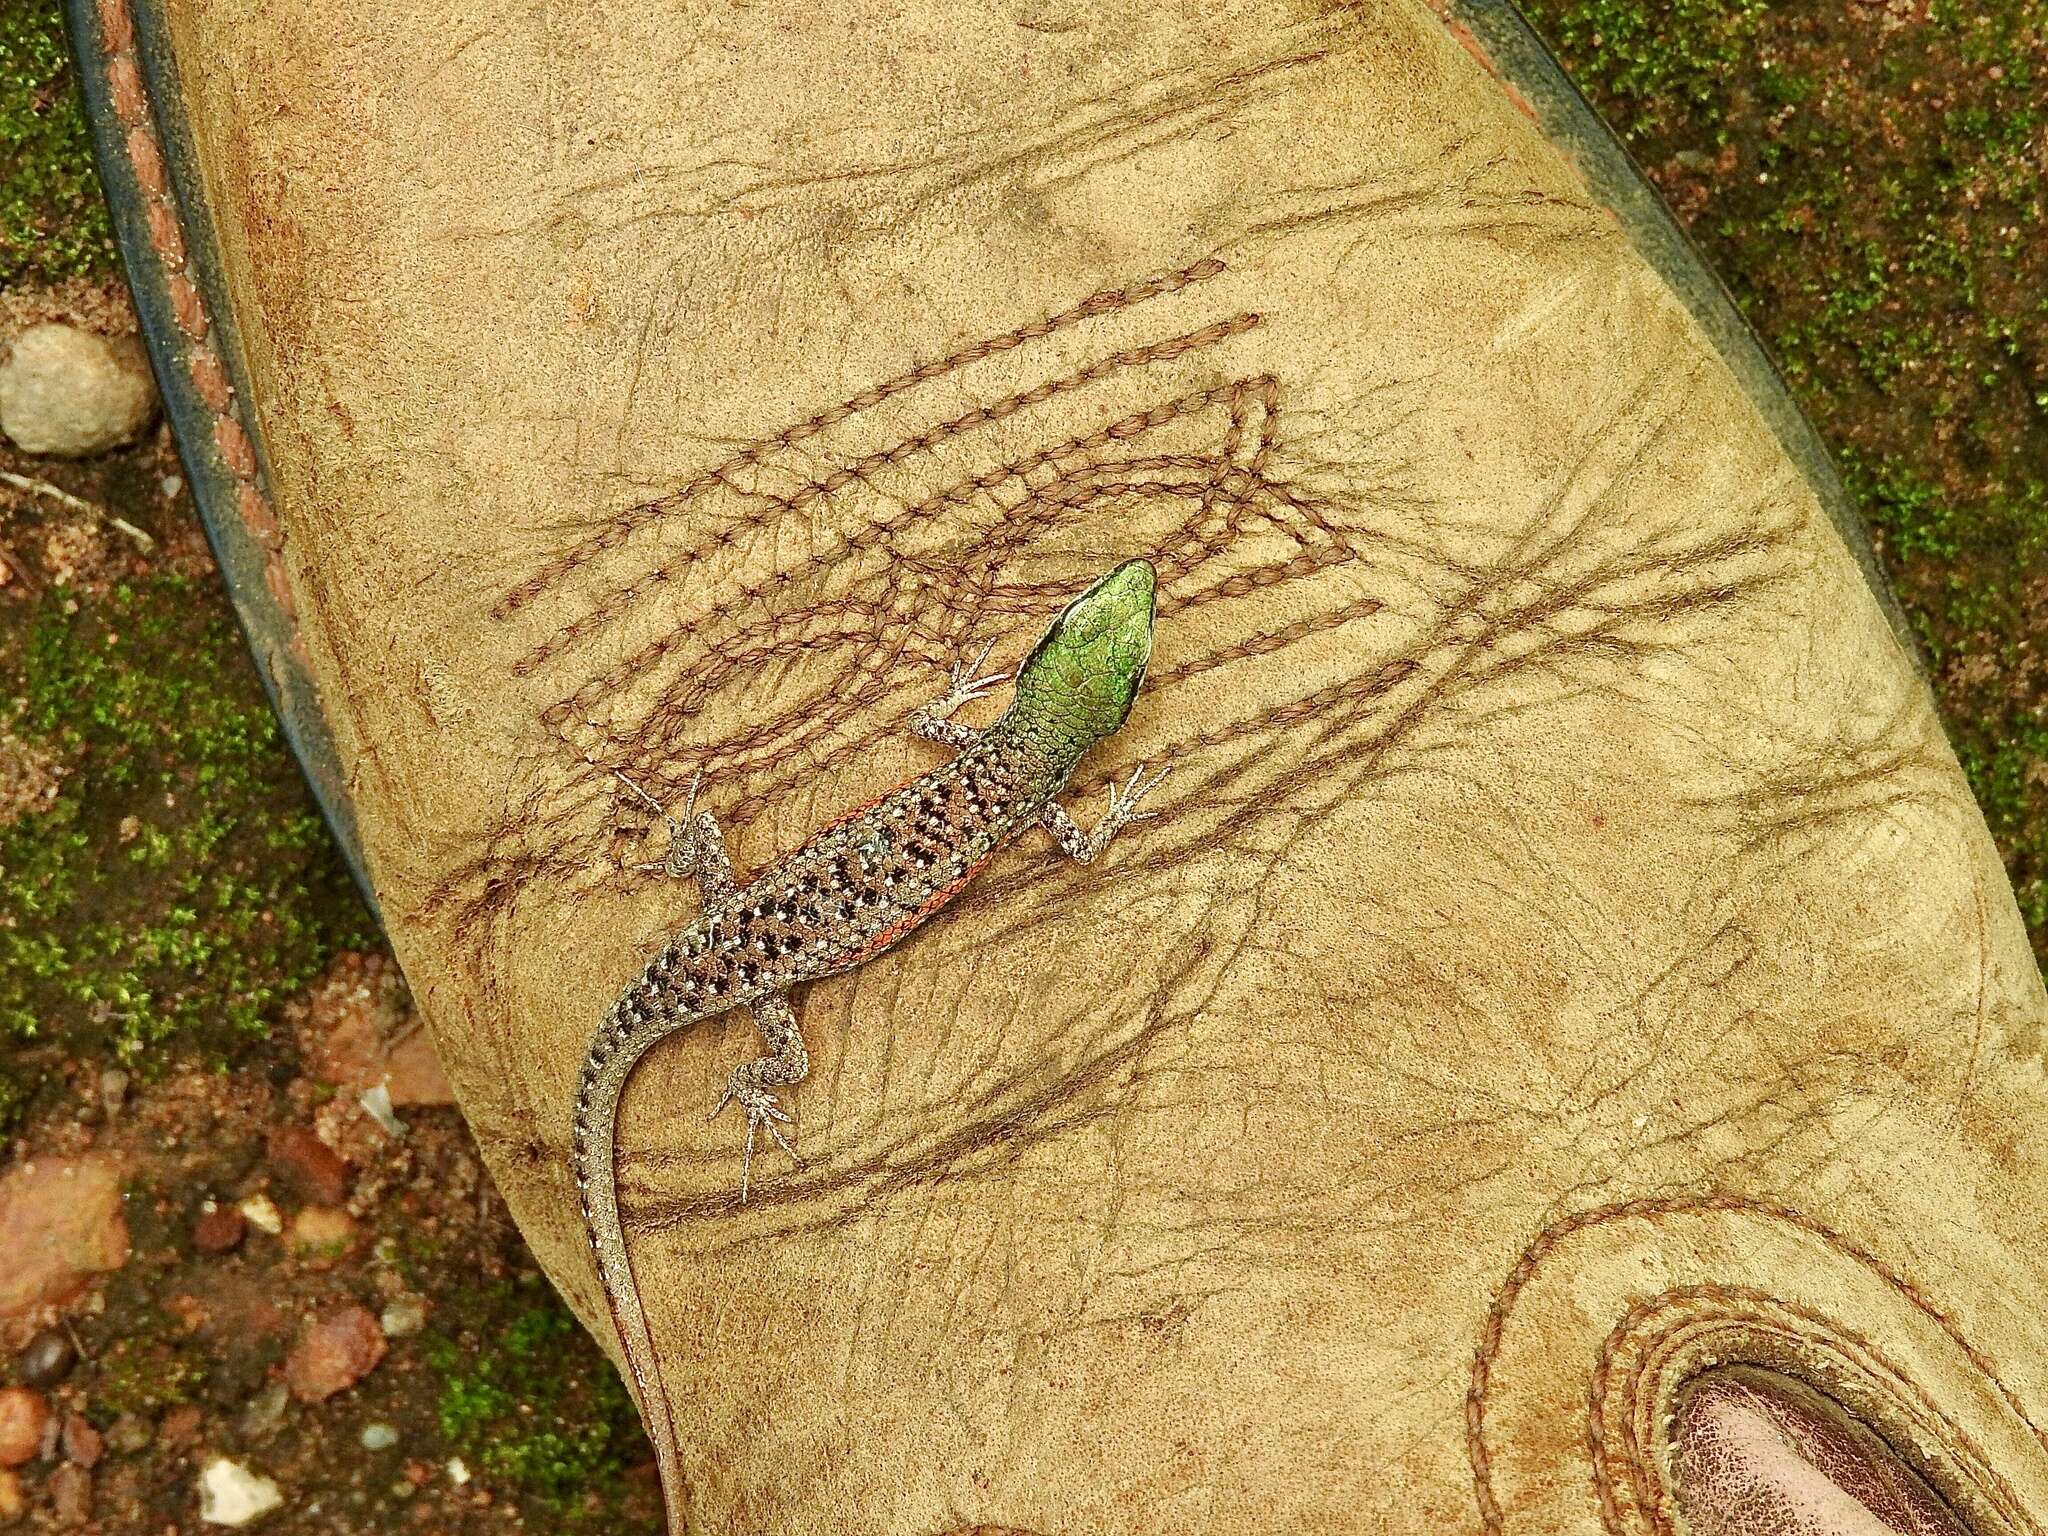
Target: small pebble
{"x": 62, "y": 1220}
{"x": 458, "y": 1471}
{"x": 377, "y": 1105}
{"x": 263, "y": 1214}
{"x": 13, "y": 1503}
{"x": 82, "y": 1444}
{"x": 379, "y": 1437}
{"x": 333, "y": 1352}
{"x": 318, "y": 1172}
{"x": 171, "y": 485}
{"x": 179, "y": 1427}
{"x": 71, "y": 1496}
{"x": 265, "y": 1411}
{"x": 48, "y": 1358}
{"x": 72, "y": 393}
{"x": 230, "y": 1494}
{"x": 321, "y": 1237}
{"x": 24, "y": 1414}
{"x": 219, "y": 1228}
{"x": 403, "y": 1318}
{"x": 113, "y": 1091}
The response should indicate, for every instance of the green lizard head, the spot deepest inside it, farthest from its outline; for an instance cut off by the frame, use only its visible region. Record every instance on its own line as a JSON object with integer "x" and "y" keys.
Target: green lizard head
{"x": 1077, "y": 685}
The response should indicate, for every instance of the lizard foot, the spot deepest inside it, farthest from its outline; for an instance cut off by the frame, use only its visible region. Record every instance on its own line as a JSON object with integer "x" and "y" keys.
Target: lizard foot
{"x": 762, "y": 1112}
{"x": 966, "y": 687}
{"x": 1123, "y": 802}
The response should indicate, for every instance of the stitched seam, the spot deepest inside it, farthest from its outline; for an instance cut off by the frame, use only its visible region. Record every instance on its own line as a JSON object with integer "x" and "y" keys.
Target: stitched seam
{"x": 766, "y": 506}
{"x": 1651, "y": 1495}
{"x": 232, "y": 440}
{"x": 1103, "y": 302}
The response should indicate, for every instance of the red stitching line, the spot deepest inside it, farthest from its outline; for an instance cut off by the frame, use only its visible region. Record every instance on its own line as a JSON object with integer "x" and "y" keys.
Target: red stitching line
{"x": 767, "y": 507}
{"x": 209, "y": 376}
{"x": 1122, "y": 430}
{"x": 1105, "y": 301}
{"x": 1230, "y": 484}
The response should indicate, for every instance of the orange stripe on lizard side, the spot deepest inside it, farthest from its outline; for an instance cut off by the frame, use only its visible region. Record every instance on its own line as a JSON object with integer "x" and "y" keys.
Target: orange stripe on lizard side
{"x": 932, "y": 903}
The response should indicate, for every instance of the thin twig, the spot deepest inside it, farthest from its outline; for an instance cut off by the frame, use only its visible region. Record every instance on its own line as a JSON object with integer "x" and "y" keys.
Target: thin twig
{"x": 62, "y": 497}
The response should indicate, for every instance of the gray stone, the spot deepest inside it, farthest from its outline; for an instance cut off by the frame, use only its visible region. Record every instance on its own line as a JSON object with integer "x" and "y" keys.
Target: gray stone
{"x": 405, "y": 1316}
{"x": 265, "y": 1411}
{"x": 71, "y": 393}
{"x": 128, "y": 1434}
{"x": 113, "y": 1091}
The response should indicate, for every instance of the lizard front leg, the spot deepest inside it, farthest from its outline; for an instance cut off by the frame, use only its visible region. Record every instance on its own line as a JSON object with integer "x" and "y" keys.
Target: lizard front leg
{"x": 1086, "y": 847}
{"x": 786, "y": 1064}
{"x": 931, "y": 721}
{"x": 696, "y": 847}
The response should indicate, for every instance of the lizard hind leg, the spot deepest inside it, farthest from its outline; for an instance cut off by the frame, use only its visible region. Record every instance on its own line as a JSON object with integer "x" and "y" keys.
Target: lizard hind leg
{"x": 785, "y": 1065}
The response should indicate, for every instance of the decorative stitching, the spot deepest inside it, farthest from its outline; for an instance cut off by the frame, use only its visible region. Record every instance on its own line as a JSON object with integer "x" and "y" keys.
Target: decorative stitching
{"x": 1577, "y": 583}
{"x": 767, "y": 506}
{"x": 144, "y": 144}
{"x": 918, "y": 605}
{"x": 1103, "y": 302}
{"x": 1221, "y": 496}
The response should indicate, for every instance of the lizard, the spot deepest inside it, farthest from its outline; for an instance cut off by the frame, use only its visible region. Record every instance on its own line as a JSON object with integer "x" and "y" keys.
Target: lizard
{"x": 853, "y": 890}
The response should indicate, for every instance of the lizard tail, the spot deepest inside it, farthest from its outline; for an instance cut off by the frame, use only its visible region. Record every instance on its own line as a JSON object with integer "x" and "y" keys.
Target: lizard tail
{"x": 609, "y": 1064}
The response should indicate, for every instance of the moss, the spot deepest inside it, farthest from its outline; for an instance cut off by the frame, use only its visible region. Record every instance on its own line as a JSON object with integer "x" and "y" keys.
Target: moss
{"x": 1666, "y": 60}
{"x": 182, "y": 883}
{"x": 53, "y": 222}
{"x": 529, "y": 1399}
{"x": 1910, "y": 516}
{"x": 144, "y": 1375}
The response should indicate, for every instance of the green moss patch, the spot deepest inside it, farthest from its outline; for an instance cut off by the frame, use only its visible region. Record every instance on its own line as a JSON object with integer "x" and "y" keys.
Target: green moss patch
{"x": 181, "y": 884}
{"x": 53, "y": 222}
{"x": 1662, "y": 62}
{"x": 528, "y": 1398}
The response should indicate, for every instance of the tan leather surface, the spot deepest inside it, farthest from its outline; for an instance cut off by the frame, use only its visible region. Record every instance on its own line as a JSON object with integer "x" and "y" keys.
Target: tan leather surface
{"x": 1570, "y": 955}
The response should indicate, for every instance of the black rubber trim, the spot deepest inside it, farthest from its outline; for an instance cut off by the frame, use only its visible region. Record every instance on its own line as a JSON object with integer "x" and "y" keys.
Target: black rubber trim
{"x": 266, "y": 627}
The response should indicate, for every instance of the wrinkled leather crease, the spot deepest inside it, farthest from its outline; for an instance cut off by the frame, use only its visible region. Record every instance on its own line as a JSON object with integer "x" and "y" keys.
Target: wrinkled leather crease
{"x": 1571, "y": 957}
